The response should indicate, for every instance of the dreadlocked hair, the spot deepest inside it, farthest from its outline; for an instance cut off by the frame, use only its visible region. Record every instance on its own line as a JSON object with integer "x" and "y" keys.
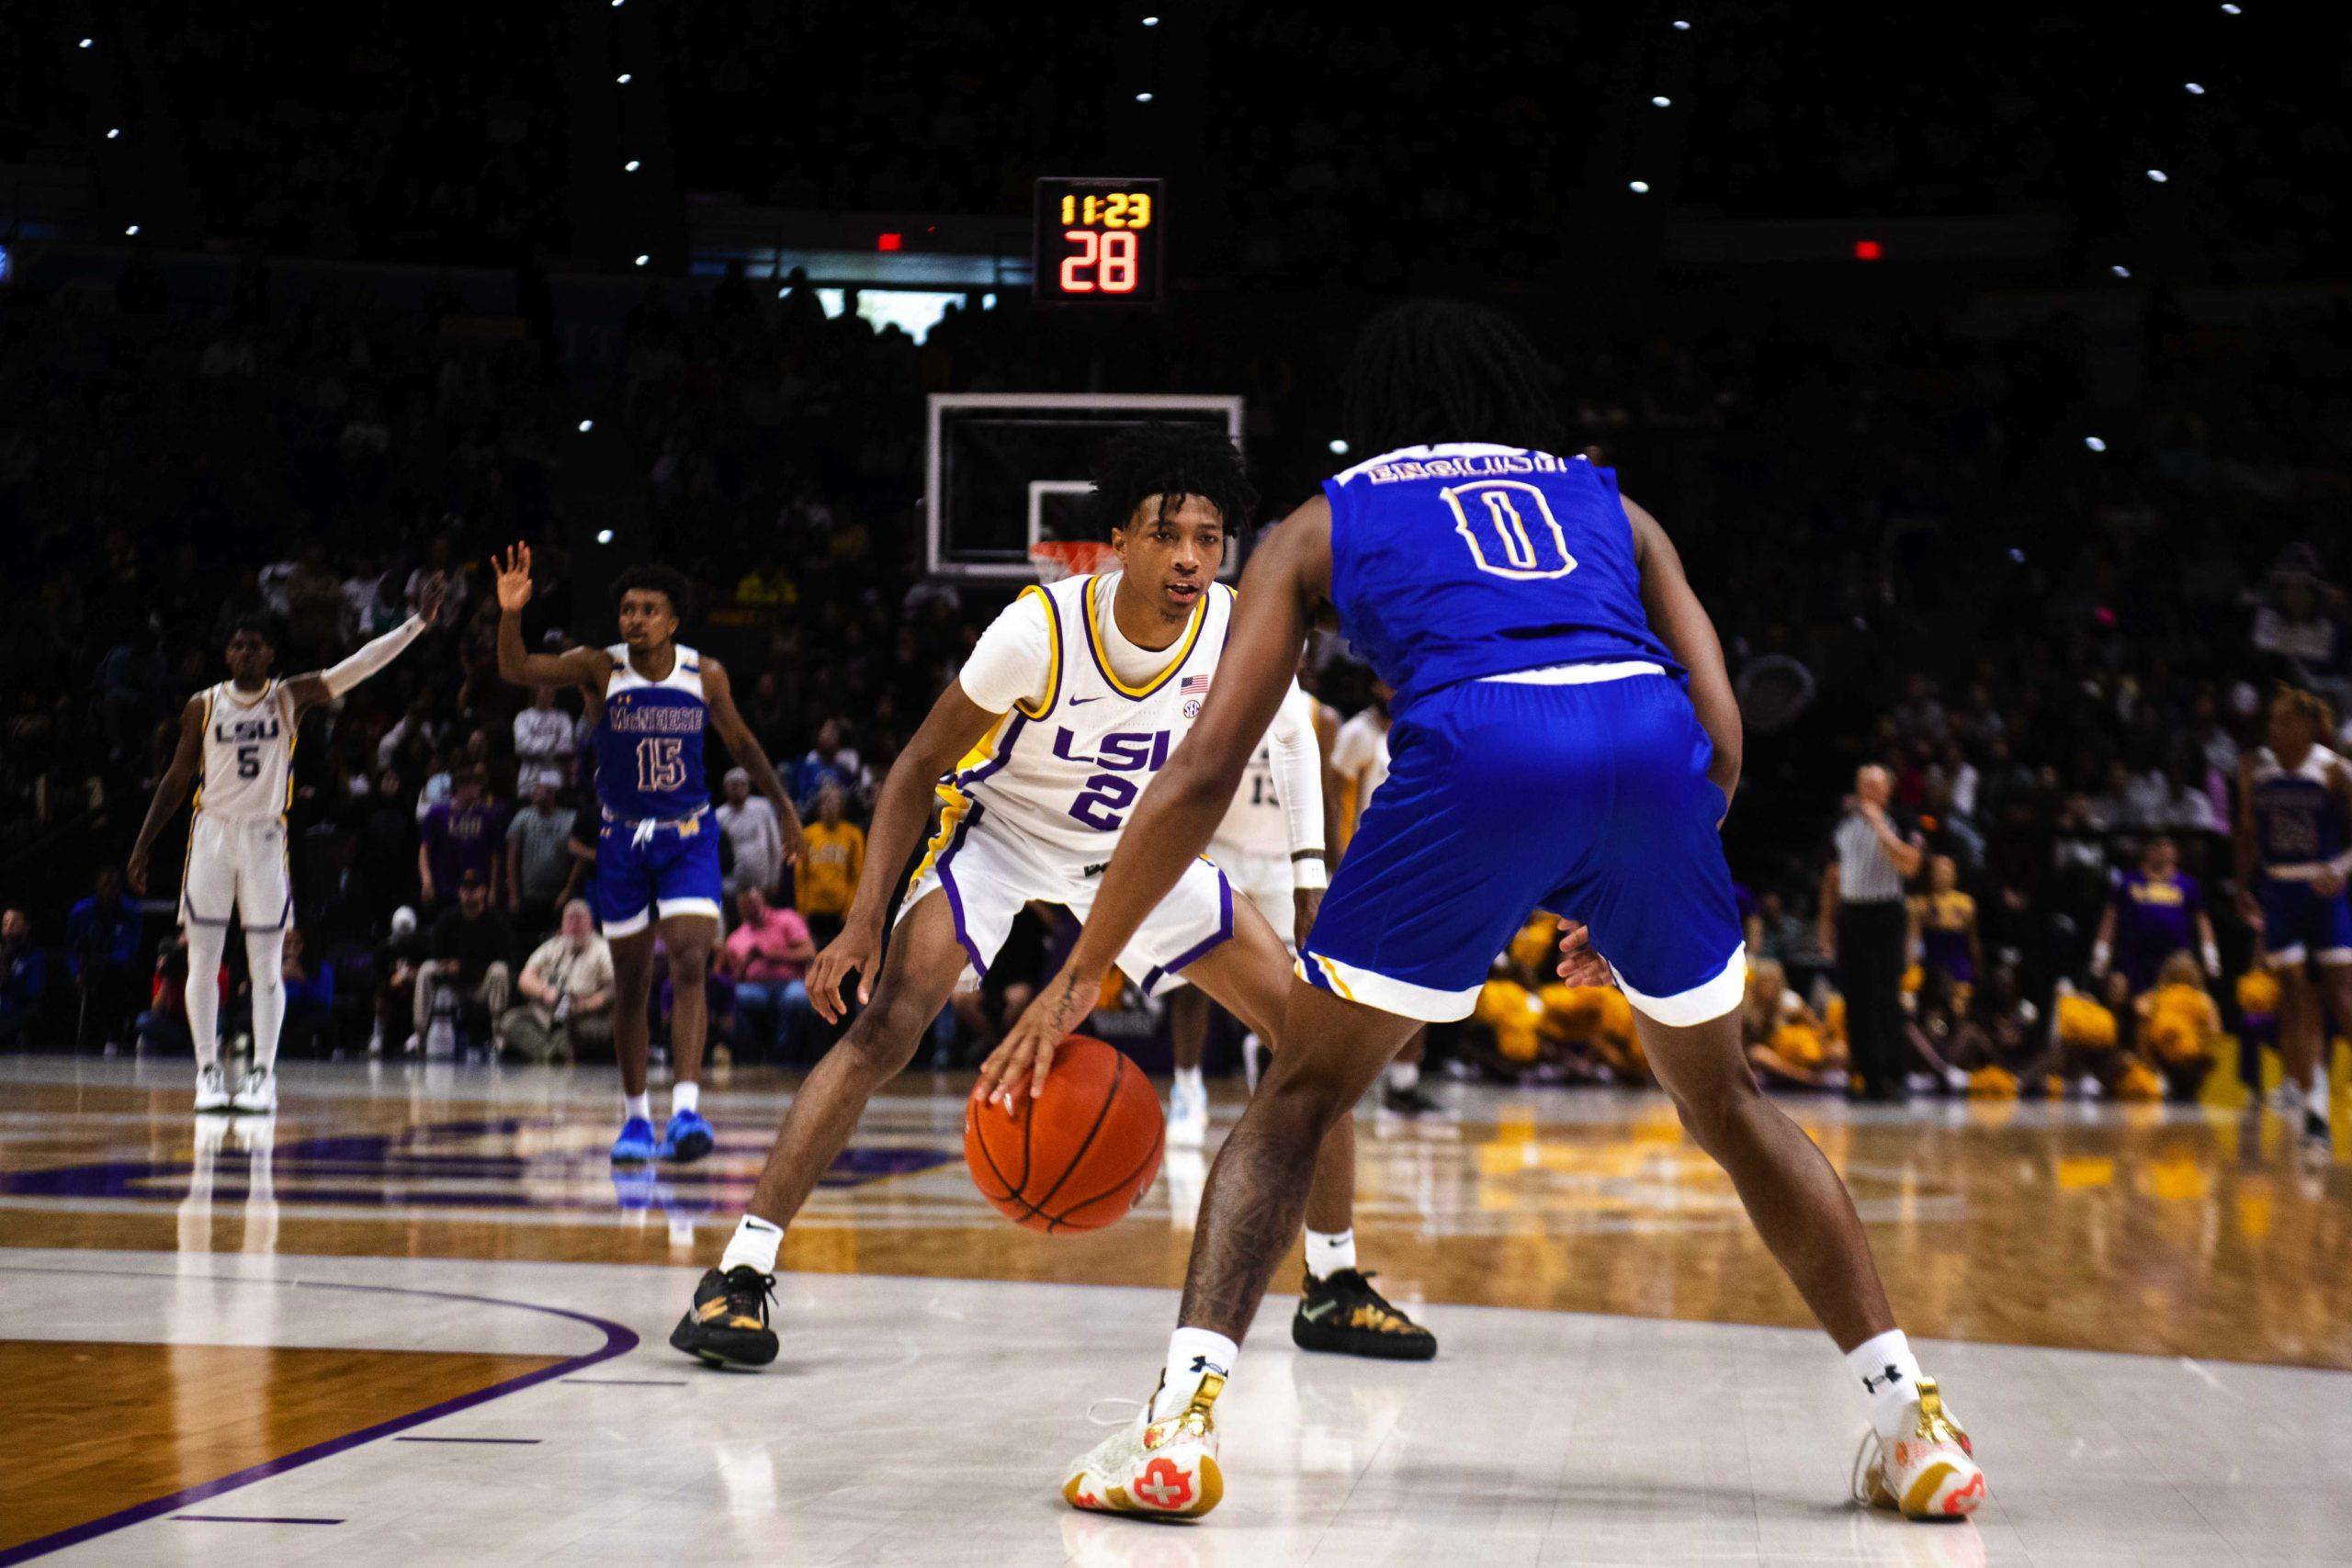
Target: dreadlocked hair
{"x": 2308, "y": 703}
{"x": 1170, "y": 461}
{"x": 666, "y": 581}
{"x": 1433, "y": 370}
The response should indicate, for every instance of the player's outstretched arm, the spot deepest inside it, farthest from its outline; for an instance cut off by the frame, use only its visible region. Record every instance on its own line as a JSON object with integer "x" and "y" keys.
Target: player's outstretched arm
{"x": 718, "y": 694}
{"x": 902, "y": 811}
{"x": 325, "y": 685}
{"x": 583, "y": 667}
{"x": 1286, "y": 580}
{"x": 170, "y": 790}
{"x": 1677, "y": 616}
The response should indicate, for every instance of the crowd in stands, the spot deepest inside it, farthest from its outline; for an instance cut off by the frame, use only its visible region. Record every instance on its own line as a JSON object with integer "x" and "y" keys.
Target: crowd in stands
{"x": 1913, "y": 553}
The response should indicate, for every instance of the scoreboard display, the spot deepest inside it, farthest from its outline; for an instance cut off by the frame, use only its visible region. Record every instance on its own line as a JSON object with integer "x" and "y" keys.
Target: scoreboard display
{"x": 1099, "y": 242}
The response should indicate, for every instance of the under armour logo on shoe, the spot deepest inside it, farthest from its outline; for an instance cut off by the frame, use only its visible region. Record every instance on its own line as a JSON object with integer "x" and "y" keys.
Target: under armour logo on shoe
{"x": 1203, "y": 1364}
{"x": 1872, "y": 1384}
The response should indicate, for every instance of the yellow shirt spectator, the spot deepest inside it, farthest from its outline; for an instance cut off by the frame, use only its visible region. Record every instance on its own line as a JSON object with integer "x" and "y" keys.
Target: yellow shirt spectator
{"x": 1517, "y": 1018}
{"x": 827, "y": 875}
{"x": 2084, "y": 1024}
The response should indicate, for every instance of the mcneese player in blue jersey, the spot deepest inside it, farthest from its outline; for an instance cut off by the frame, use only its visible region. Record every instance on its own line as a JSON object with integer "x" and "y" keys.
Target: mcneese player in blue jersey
{"x": 2294, "y": 859}
{"x": 657, "y": 848}
{"x": 1564, "y": 737}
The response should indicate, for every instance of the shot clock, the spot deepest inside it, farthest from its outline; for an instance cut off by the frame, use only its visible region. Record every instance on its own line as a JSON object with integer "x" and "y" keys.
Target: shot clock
{"x": 1098, "y": 241}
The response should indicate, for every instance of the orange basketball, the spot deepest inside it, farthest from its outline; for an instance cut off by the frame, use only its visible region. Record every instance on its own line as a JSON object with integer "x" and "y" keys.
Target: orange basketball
{"x": 1079, "y": 1155}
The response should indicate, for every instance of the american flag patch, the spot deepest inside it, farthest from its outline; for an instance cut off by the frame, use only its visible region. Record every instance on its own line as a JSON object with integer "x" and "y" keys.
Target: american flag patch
{"x": 1193, "y": 686}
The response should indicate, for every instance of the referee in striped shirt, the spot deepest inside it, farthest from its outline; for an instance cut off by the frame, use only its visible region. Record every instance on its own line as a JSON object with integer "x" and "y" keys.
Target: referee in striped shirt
{"x": 1864, "y": 925}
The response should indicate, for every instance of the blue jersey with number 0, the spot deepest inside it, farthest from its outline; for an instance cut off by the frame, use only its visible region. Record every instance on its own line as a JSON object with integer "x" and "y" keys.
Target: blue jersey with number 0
{"x": 1458, "y": 562}
{"x": 648, "y": 747}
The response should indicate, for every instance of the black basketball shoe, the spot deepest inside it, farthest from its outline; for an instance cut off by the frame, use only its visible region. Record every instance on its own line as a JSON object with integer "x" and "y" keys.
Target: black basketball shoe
{"x": 1345, "y": 1315}
{"x": 727, "y": 1325}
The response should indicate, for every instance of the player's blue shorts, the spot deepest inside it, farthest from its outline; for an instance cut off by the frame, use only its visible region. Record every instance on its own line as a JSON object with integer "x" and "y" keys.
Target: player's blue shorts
{"x": 2297, "y": 923}
{"x": 1589, "y": 800}
{"x": 649, "y": 867}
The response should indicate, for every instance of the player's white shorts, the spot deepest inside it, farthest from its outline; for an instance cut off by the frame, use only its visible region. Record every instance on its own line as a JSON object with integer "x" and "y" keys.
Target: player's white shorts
{"x": 1266, "y": 882}
{"x": 989, "y": 872}
{"x": 237, "y": 865}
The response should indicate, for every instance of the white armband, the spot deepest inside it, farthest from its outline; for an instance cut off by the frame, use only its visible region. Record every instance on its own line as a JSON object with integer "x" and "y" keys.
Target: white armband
{"x": 371, "y": 656}
{"x": 1308, "y": 871}
{"x": 1297, "y": 766}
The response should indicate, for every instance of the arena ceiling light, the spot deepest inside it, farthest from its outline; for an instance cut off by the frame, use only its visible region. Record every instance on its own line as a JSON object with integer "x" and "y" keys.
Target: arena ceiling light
{"x": 1661, "y": 101}
{"x": 1339, "y": 447}
{"x": 2094, "y": 443}
{"x": 1639, "y": 188}
{"x": 586, "y": 426}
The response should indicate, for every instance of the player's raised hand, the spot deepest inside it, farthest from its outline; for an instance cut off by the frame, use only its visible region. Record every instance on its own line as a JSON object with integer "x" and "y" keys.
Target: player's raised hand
{"x": 1026, "y": 1053}
{"x": 1579, "y": 965}
{"x": 851, "y": 952}
{"x": 513, "y": 576}
{"x": 429, "y": 602}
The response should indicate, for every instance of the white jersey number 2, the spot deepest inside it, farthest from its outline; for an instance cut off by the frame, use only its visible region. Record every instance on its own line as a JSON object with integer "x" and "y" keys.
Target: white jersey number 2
{"x": 1509, "y": 528}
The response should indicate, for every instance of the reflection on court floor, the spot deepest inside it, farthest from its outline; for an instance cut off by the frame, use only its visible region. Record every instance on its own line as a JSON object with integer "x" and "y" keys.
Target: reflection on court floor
{"x": 364, "y": 1327}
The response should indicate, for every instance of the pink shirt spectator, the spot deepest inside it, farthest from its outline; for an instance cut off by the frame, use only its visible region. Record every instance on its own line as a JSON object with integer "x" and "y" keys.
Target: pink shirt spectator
{"x": 756, "y": 949}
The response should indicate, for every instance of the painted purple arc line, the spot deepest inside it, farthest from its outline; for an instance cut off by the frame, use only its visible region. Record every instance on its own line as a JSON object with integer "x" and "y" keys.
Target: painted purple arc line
{"x": 619, "y": 1340}
{"x": 244, "y": 1519}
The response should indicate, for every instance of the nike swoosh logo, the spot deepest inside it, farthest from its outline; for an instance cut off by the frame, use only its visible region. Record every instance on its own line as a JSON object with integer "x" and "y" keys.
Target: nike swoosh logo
{"x": 1315, "y": 1314}
{"x": 1075, "y": 701}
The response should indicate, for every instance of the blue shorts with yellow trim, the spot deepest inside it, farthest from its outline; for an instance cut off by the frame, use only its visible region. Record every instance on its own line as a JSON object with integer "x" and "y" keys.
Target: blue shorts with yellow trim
{"x": 1589, "y": 800}
{"x": 645, "y": 868}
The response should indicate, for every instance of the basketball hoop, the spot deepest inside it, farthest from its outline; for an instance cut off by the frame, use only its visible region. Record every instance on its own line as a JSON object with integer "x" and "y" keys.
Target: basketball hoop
{"x": 1058, "y": 559}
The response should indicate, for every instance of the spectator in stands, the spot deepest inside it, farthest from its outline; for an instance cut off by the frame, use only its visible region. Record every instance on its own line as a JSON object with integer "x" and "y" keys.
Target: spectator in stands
{"x": 766, "y": 956}
{"x": 24, "y": 980}
{"x": 542, "y": 742}
{"x": 750, "y": 823}
{"x": 405, "y": 951}
{"x": 538, "y": 859}
{"x": 1943, "y": 930}
{"x": 309, "y": 999}
{"x": 103, "y": 953}
{"x": 473, "y": 951}
{"x": 463, "y": 836}
{"x": 567, "y": 986}
{"x": 830, "y": 867}
{"x": 1787, "y": 1044}
{"x": 1863, "y": 925}
{"x": 831, "y": 762}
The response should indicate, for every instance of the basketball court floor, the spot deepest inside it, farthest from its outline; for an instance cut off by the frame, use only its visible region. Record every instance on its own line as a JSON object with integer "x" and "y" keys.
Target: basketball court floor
{"x": 416, "y": 1318}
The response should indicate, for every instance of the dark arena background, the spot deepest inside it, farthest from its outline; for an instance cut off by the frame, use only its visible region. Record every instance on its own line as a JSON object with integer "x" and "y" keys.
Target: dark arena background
{"x": 1987, "y": 370}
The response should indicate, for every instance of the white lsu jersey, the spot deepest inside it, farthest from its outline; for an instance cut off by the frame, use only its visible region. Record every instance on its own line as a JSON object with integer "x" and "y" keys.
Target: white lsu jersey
{"x": 1255, "y": 826}
{"x": 248, "y": 756}
{"x": 1067, "y": 772}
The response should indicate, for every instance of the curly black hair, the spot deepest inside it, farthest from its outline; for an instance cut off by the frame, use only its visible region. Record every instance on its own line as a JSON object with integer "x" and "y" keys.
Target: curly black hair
{"x": 1170, "y": 461}
{"x": 666, "y": 581}
{"x": 261, "y": 627}
{"x": 1433, "y": 370}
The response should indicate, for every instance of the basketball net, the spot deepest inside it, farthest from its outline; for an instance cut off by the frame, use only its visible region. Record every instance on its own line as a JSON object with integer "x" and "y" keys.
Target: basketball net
{"x": 1058, "y": 559}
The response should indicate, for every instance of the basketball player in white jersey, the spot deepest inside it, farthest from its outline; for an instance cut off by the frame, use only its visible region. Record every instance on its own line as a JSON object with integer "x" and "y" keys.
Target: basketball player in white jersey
{"x": 1270, "y": 847}
{"x": 1069, "y": 702}
{"x": 237, "y": 748}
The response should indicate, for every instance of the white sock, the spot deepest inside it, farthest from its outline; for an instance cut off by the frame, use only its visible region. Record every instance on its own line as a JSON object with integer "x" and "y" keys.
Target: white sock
{"x": 1188, "y": 1081}
{"x": 266, "y": 966}
{"x": 640, "y": 1104}
{"x": 1889, "y": 1374}
{"x": 1191, "y": 1353}
{"x": 1404, "y": 1076}
{"x": 205, "y": 945}
{"x": 684, "y": 1096}
{"x": 2315, "y": 1093}
{"x": 754, "y": 1242}
{"x": 1328, "y": 1252}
